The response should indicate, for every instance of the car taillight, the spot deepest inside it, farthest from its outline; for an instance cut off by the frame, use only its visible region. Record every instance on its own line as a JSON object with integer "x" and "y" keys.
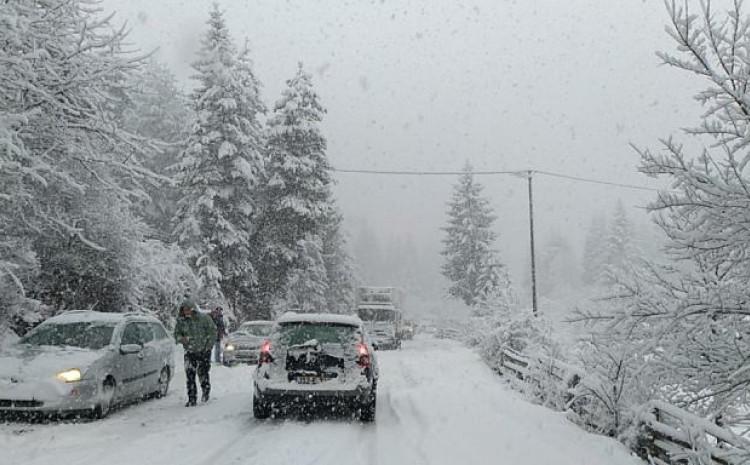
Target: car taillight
{"x": 265, "y": 353}
{"x": 363, "y": 355}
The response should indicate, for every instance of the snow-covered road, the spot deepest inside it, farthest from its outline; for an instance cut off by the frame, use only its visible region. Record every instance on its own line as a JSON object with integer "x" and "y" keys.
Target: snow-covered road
{"x": 437, "y": 404}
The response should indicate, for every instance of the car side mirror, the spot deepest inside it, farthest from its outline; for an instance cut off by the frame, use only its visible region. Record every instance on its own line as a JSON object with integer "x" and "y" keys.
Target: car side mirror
{"x": 126, "y": 349}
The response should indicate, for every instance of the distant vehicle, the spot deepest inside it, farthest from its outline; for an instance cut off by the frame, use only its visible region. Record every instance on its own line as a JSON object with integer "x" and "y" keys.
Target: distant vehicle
{"x": 408, "y": 328}
{"x": 380, "y": 308}
{"x": 243, "y": 345}
{"x": 317, "y": 361}
{"x": 86, "y": 362}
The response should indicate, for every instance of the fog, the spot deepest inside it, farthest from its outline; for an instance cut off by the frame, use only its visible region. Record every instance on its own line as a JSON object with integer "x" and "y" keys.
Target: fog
{"x": 427, "y": 85}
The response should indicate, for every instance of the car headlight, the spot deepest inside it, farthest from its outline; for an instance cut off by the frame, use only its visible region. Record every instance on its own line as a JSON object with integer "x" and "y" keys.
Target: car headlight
{"x": 69, "y": 376}
{"x": 229, "y": 347}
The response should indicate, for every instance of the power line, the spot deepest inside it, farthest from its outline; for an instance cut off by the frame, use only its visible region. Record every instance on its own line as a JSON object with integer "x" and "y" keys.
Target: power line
{"x": 597, "y": 181}
{"x": 529, "y": 175}
{"x": 422, "y": 173}
{"x": 523, "y": 173}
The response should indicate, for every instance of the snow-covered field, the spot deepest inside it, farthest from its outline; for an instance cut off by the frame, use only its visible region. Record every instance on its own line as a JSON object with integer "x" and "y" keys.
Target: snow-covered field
{"x": 437, "y": 404}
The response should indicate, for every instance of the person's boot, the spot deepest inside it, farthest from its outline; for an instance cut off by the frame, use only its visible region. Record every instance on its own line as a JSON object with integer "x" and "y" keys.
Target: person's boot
{"x": 204, "y": 397}
{"x": 190, "y": 403}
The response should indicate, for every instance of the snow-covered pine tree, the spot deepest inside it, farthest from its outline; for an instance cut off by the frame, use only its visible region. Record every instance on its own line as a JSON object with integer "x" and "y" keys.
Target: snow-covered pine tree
{"x": 694, "y": 311}
{"x": 471, "y": 260}
{"x": 340, "y": 274}
{"x": 595, "y": 251}
{"x": 297, "y": 190}
{"x": 221, "y": 168}
{"x": 307, "y": 284}
{"x": 619, "y": 240}
{"x": 557, "y": 266}
{"x": 160, "y": 112}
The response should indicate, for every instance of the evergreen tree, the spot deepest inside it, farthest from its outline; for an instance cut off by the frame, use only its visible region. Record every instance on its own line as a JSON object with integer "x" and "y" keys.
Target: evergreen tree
{"x": 471, "y": 262}
{"x": 368, "y": 254}
{"x": 687, "y": 321}
{"x": 595, "y": 251}
{"x": 307, "y": 285}
{"x": 557, "y": 266}
{"x": 619, "y": 239}
{"x": 221, "y": 167}
{"x": 297, "y": 192}
{"x": 340, "y": 275}
{"x": 159, "y": 112}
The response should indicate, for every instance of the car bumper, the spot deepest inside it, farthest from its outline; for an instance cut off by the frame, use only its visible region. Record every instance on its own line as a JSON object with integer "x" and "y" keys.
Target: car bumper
{"x": 387, "y": 343}
{"x": 286, "y": 398}
{"x": 47, "y": 397}
{"x": 241, "y": 356}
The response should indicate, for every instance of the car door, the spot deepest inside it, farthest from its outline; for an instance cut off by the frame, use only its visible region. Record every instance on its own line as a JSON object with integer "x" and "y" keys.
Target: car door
{"x": 149, "y": 374}
{"x": 132, "y": 364}
{"x": 164, "y": 345}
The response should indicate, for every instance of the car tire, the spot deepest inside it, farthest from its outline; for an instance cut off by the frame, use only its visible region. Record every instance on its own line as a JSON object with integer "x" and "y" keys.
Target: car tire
{"x": 165, "y": 377}
{"x": 109, "y": 388}
{"x": 367, "y": 410}
{"x": 261, "y": 410}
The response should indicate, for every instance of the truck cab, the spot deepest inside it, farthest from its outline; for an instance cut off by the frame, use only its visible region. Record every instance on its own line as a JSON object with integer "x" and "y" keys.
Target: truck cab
{"x": 380, "y": 310}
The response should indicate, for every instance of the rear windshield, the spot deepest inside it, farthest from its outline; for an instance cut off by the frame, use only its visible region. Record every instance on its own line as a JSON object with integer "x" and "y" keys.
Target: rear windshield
{"x": 255, "y": 329}
{"x": 376, "y": 314}
{"x": 87, "y": 335}
{"x": 325, "y": 333}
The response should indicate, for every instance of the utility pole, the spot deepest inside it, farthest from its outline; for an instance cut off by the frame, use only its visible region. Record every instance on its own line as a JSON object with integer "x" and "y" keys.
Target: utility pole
{"x": 531, "y": 233}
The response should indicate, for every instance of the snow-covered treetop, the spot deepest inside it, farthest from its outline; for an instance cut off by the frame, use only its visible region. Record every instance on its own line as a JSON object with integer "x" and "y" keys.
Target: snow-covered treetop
{"x": 299, "y": 107}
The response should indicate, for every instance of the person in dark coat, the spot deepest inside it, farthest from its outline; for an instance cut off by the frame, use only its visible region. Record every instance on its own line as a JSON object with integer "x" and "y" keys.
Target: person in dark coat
{"x": 218, "y": 316}
{"x": 196, "y": 332}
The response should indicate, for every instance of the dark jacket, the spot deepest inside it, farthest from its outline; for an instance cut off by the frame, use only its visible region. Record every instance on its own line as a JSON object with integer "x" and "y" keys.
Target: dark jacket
{"x": 199, "y": 330}
{"x": 221, "y": 330}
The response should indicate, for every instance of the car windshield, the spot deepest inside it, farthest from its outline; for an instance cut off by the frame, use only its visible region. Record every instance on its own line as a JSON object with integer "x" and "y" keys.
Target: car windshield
{"x": 87, "y": 335}
{"x": 376, "y": 314}
{"x": 255, "y": 329}
{"x": 325, "y": 333}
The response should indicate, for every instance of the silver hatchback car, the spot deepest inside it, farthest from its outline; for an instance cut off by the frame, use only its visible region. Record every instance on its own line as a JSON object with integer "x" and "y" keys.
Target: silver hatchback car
{"x": 86, "y": 362}
{"x": 317, "y": 361}
{"x": 243, "y": 345}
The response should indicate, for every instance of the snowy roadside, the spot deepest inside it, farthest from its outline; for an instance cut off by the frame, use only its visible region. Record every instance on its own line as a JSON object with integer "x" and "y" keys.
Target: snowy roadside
{"x": 437, "y": 404}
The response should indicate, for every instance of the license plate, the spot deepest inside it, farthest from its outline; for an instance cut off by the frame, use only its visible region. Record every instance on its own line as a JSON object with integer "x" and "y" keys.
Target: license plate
{"x": 308, "y": 379}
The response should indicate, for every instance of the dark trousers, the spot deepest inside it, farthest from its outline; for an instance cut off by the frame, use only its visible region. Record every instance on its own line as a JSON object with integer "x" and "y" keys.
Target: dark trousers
{"x": 200, "y": 363}
{"x": 217, "y": 351}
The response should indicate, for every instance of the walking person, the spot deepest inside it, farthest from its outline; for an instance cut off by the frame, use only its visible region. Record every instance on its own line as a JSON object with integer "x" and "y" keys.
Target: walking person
{"x": 218, "y": 316}
{"x": 196, "y": 332}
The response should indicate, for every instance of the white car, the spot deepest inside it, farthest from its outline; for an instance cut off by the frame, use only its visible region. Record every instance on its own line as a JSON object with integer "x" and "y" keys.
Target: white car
{"x": 86, "y": 362}
{"x": 243, "y": 345}
{"x": 317, "y": 362}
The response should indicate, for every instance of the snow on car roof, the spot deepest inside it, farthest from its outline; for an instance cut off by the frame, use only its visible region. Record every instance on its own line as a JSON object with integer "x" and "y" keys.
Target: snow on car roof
{"x": 377, "y": 307}
{"x": 292, "y": 317}
{"x": 257, "y": 323}
{"x": 75, "y": 316}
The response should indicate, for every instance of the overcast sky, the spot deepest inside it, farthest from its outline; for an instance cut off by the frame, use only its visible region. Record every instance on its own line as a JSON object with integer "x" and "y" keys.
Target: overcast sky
{"x": 557, "y": 85}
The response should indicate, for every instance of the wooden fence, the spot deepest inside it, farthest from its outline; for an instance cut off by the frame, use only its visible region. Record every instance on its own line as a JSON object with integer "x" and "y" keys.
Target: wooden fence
{"x": 675, "y": 436}
{"x": 668, "y": 434}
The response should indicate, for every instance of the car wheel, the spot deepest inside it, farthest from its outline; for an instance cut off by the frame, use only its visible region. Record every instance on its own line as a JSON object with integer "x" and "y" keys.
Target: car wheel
{"x": 261, "y": 410}
{"x": 163, "y": 386}
{"x": 104, "y": 406}
{"x": 367, "y": 410}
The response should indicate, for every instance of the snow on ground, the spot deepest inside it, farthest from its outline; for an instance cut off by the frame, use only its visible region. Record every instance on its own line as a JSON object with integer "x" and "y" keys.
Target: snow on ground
{"x": 437, "y": 404}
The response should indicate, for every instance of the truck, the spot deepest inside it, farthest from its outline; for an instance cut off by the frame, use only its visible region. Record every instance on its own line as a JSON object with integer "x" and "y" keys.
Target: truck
{"x": 381, "y": 311}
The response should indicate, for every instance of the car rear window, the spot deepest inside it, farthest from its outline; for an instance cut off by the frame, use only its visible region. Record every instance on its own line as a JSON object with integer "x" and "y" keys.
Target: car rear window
{"x": 325, "y": 333}
{"x": 88, "y": 335}
{"x": 376, "y": 314}
{"x": 256, "y": 330}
